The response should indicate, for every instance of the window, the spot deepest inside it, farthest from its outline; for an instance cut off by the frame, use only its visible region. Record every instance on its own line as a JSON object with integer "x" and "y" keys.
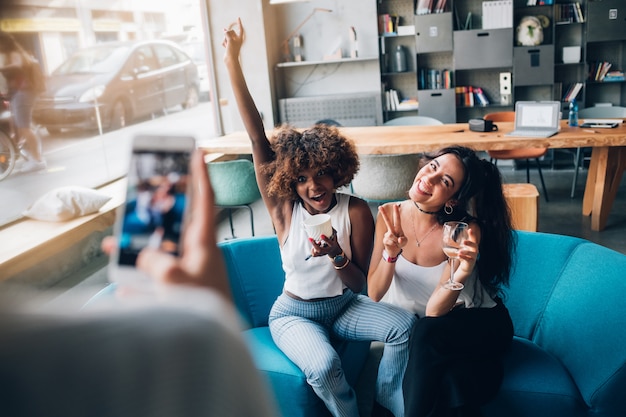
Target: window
{"x": 102, "y": 89}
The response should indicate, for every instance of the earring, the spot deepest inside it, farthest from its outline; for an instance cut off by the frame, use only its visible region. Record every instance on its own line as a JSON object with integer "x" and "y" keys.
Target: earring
{"x": 448, "y": 209}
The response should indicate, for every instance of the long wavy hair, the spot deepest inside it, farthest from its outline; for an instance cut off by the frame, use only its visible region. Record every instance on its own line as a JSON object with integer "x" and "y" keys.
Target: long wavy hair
{"x": 320, "y": 147}
{"x": 480, "y": 198}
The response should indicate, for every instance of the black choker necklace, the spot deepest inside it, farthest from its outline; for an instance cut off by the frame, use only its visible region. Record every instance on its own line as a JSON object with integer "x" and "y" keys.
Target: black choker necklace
{"x": 424, "y": 211}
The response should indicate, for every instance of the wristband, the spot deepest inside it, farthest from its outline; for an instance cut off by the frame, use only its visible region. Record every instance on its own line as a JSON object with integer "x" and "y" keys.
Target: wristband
{"x": 391, "y": 259}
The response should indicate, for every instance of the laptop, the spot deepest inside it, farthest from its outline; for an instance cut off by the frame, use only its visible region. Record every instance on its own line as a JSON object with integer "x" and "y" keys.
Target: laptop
{"x": 536, "y": 119}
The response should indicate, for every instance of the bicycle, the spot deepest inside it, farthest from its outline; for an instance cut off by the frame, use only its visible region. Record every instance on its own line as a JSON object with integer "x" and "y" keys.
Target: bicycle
{"x": 11, "y": 149}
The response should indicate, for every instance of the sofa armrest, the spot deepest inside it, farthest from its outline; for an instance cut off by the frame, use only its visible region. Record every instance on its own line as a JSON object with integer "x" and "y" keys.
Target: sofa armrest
{"x": 256, "y": 276}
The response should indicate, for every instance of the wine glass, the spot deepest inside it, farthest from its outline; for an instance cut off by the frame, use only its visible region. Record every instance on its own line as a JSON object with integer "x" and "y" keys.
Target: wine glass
{"x": 454, "y": 233}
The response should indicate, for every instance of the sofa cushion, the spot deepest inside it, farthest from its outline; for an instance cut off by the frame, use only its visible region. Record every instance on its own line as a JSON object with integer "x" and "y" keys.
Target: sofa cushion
{"x": 535, "y": 384}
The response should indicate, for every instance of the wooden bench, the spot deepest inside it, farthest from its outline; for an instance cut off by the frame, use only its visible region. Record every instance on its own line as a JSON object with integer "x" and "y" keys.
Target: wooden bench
{"x": 34, "y": 241}
{"x": 42, "y": 253}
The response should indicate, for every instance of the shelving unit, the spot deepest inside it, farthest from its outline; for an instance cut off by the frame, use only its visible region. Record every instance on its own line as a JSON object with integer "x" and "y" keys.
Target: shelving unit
{"x": 461, "y": 39}
{"x": 534, "y": 65}
{"x": 606, "y": 42}
{"x": 434, "y": 55}
{"x": 403, "y": 83}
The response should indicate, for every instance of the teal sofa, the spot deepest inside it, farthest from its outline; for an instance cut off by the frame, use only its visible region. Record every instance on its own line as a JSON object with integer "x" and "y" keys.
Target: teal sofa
{"x": 566, "y": 297}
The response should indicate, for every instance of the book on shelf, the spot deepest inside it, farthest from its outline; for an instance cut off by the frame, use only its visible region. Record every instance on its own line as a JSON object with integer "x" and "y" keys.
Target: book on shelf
{"x": 423, "y": 7}
{"x": 394, "y": 101}
{"x": 440, "y": 7}
{"x": 599, "y": 70}
{"x": 616, "y": 75}
{"x": 569, "y": 13}
{"x": 572, "y": 92}
{"x": 446, "y": 79}
{"x": 470, "y": 96}
{"x": 430, "y": 6}
{"x": 388, "y": 24}
{"x": 433, "y": 79}
{"x": 408, "y": 104}
{"x": 481, "y": 98}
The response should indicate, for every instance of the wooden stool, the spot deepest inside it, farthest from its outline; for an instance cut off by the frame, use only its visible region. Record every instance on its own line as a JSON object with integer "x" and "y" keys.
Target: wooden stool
{"x": 523, "y": 200}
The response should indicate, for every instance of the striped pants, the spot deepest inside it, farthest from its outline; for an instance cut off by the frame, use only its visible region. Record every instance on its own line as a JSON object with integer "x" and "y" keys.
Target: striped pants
{"x": 303, "y": 330}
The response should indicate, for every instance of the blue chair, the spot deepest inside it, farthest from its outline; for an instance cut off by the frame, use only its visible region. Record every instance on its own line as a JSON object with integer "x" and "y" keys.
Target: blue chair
{"x": 234, "y": 185}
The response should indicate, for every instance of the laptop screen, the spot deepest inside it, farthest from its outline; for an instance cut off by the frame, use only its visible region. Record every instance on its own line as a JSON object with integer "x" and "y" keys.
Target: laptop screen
{"x": 533, "y": 114}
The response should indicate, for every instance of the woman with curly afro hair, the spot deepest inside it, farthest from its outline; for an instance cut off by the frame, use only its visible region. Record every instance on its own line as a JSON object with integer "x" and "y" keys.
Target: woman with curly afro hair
{"x": 298, "y": 173}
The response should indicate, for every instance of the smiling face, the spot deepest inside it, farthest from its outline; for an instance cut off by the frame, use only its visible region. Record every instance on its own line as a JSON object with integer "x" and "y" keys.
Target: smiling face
{"x": 437, "y": 182}
{"x": 316, "y": 189}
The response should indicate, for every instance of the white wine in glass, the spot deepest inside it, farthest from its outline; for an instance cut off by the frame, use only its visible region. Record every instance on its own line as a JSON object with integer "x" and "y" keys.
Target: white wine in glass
{"x": 454, "y": 233}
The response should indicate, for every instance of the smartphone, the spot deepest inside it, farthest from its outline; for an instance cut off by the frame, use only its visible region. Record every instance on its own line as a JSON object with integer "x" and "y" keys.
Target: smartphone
{"x": 156, "y": 203}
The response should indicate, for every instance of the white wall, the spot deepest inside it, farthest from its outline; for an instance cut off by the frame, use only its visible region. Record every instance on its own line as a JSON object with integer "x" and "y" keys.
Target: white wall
{"x": 267, "y": 25}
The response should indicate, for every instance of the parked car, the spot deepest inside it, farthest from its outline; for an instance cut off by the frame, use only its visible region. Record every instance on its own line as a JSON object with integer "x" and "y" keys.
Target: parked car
{"x": 111, "y": 84}
{"x": 195, "y": 49}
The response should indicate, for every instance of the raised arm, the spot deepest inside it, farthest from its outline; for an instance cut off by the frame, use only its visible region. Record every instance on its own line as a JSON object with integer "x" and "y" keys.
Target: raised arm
{"x": 261, "y": 150}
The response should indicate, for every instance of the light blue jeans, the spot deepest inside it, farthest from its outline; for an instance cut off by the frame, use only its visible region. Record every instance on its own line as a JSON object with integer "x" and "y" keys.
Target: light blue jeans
{"x": 303, "y": 330}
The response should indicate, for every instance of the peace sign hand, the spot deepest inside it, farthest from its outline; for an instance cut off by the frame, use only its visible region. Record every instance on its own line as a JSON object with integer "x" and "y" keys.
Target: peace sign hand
{"x": 394, "y": 239}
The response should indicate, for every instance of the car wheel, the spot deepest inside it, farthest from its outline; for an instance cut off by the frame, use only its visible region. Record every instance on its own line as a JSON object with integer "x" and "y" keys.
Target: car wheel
{"x": 118, "y": 116}
{"x": 192, "y": 98}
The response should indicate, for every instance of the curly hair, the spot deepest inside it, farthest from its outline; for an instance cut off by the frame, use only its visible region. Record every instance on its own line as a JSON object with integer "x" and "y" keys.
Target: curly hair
{"x": 320, "y": 147}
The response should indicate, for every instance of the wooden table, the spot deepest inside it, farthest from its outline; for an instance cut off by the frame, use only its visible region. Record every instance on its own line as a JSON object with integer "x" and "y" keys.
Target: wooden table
{"x": 608, "y": 159}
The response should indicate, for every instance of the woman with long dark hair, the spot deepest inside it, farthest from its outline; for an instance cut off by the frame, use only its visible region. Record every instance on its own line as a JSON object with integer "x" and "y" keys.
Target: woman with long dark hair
{"x": 457, "y": 343}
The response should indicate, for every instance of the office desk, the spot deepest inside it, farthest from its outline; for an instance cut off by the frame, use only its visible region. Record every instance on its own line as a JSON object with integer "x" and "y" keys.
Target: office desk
{"x": 608, "y": 159}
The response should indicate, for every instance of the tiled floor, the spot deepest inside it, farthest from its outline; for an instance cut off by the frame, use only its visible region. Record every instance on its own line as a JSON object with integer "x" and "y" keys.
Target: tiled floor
{"x": 562, "y": 214}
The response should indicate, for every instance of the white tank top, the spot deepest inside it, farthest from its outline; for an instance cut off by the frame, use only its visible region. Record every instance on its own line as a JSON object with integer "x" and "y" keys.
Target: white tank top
{"x": 316, "y": 277}
{"x": 412, "y": 285}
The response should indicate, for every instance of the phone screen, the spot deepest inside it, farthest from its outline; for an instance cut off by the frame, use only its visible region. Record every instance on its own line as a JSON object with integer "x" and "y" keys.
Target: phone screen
{"x": 155, "y": 203}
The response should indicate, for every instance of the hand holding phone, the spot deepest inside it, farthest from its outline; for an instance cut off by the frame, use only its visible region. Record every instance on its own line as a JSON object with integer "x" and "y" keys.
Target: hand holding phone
{"x": 156, "y": 203}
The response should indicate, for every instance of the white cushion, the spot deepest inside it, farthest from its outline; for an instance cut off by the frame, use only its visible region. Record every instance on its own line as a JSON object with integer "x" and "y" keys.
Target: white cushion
{"x": 66, "y": 203}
